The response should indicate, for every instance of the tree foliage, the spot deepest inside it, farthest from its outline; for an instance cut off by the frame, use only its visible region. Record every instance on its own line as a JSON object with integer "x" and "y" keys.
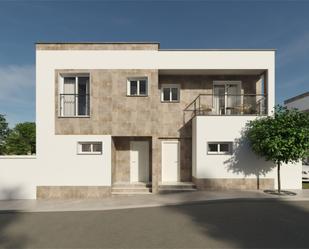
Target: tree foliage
{"x": 282, "y": 138}
{"x": 4, "y": 130}
{"x": 21, "y": 140}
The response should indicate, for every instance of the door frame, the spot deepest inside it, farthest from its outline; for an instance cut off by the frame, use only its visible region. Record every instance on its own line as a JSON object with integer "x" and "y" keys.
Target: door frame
{"x": 147, "y": 162}
{"x": 178, "y": 157}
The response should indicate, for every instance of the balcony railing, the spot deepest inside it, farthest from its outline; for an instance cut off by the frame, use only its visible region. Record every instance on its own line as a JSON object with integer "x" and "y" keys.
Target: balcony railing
{"x": 227, "y": 104}
{"x": 72, "y": 105}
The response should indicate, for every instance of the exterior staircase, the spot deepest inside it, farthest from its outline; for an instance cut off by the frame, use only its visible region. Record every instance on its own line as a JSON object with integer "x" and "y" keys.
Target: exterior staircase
{"x": 127, "y": 189}
{"x": 175, "y": 187}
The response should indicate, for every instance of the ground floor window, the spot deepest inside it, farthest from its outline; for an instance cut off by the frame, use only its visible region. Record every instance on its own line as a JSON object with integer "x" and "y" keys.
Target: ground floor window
{"x": 89, "y": 148}
{"x": 219, "y": 148}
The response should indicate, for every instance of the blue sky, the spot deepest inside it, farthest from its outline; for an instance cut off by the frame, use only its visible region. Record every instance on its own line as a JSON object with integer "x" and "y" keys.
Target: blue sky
{"x": 283, "y": 25}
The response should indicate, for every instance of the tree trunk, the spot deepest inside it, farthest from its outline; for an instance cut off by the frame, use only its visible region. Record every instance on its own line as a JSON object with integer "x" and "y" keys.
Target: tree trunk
{"x": 278, "y": 173}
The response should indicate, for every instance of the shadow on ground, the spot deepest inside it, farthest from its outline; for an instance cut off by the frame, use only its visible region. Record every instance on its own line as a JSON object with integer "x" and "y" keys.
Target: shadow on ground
{"x": 251, "y": 223}
{"x": 214, "y": 224}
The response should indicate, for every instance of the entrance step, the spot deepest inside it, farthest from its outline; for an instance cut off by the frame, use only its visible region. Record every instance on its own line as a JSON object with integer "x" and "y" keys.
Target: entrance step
{"x": 138, "y": 188}
{"x": 171, "y": 187}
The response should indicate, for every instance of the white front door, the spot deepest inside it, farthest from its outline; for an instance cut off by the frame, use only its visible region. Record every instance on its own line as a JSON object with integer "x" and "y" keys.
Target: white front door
{"x": 139, "y": 161}
{"x": 170, "y": 161}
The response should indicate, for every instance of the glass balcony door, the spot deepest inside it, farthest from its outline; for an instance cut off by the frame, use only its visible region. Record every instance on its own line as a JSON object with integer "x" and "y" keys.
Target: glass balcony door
{"x": 227, "y": 97}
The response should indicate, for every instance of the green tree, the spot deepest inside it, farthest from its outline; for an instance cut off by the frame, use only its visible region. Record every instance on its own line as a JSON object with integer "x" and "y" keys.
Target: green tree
{"x": 4, "y": 130}
{"x": 282, "y": 138}
{"x": 21, "y": 140}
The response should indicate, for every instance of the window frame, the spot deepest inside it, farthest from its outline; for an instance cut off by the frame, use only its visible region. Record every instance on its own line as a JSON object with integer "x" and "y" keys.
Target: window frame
{"x": 61, "y": 91}
{"x": 219, "y": 152}
{"x": 91, "y": 152}
{"x": 137, "y": 79}
{"x": 170, "y": 86}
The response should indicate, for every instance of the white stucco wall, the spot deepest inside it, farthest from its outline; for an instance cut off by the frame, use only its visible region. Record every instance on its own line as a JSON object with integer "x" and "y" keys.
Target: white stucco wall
{"x": 243, "y": 162}
{"x": 56, "y": 164}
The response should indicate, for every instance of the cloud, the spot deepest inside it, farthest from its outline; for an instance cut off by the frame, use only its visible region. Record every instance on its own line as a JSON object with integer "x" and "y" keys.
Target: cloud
{"x": 17, "y": 92}
{"x": 293, "y": 51}
{"x": 17, "y": 83}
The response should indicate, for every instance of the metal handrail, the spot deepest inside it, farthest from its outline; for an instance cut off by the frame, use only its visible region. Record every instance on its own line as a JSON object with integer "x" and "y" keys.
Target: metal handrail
{"x": 238, "y": 106}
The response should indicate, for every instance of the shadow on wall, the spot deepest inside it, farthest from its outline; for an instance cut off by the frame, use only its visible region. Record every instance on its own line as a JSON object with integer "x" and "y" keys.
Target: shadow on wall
{"x": 10, "y": 193}
{"x": 245, "y": 162}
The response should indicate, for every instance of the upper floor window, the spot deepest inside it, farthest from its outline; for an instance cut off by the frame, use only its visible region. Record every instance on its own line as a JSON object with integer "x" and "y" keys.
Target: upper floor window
{"x": 137, "y": 87}
{"x": 74, "y": 96}
{"x": 170, "y": 93}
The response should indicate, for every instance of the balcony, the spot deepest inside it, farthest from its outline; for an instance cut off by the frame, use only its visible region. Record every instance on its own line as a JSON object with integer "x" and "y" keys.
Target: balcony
{"x": 227, "y": 104}
{"x": 74, "y": 105}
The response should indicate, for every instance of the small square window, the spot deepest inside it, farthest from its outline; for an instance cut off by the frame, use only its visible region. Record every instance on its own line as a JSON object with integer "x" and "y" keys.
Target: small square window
{"x": 219, "y": 148}
{"x": 137, "y": 87}
{"x": 89, "y": 148}
{"x": 170, "y": 93}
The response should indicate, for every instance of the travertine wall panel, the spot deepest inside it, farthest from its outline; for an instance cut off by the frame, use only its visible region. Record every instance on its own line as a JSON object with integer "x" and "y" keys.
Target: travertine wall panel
{"x": 230, "y": 183}
{"x": 97, "y": 46}
{"x": 72, "y": 192}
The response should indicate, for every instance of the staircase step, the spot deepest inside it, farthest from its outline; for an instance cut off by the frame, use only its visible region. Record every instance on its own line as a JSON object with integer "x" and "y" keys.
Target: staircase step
{"x": 176, "y": 187}
{"x": 130, "y": 190}
{"x": 125, "y": 188}
{"x": 131, "y": 193}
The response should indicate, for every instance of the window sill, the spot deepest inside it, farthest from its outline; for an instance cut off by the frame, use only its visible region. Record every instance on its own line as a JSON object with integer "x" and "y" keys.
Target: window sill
{"x": 74, "y": 116}
{"x": 137, "y": 95}
{"x": 176, "y": 101}
{"x": 89, "y": 153}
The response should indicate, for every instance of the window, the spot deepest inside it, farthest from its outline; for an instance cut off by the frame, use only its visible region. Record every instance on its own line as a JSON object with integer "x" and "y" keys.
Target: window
{"x": 220, "y": 148}
{"x": 137, "y": 87}
{"x": 89, "y": 148}
{"x": 170, "y": 93}
{"x": 74, "y": 96}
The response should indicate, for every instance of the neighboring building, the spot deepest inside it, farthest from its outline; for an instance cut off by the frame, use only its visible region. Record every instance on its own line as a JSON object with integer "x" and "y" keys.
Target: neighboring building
{"x": 134, "y": 118}
{"x": 300, "y": 102}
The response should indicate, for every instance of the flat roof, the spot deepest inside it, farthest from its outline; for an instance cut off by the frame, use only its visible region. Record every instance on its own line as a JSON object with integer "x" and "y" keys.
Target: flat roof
{"x": 158, "y": 43}
{"x": 300, "y": 96}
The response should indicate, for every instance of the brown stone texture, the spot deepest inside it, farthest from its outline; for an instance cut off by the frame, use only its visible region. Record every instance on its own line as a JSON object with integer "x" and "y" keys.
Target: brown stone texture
{"x": 234, "y": 183}
{"x": 72, "y": 192}
{"x": 97, "y": 46}
{"x": 121, "y": 158}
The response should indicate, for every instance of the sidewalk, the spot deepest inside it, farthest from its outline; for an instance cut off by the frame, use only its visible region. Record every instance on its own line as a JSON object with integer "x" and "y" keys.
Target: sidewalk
{"x": 141, "y": 201}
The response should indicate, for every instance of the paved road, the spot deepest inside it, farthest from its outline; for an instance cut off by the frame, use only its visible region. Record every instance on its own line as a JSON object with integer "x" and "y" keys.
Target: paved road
{"x": 216, "y": 224}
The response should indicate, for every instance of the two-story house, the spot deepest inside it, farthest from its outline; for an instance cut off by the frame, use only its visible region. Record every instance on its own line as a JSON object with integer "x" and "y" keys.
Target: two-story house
{"x": 120, "y": 118}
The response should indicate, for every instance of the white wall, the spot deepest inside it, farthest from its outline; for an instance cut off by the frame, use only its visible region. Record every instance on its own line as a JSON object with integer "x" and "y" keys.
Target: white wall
{"x": 58, "y": 164}
{"x": 243, "y": 162}
{"x": 18, "y": 177}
